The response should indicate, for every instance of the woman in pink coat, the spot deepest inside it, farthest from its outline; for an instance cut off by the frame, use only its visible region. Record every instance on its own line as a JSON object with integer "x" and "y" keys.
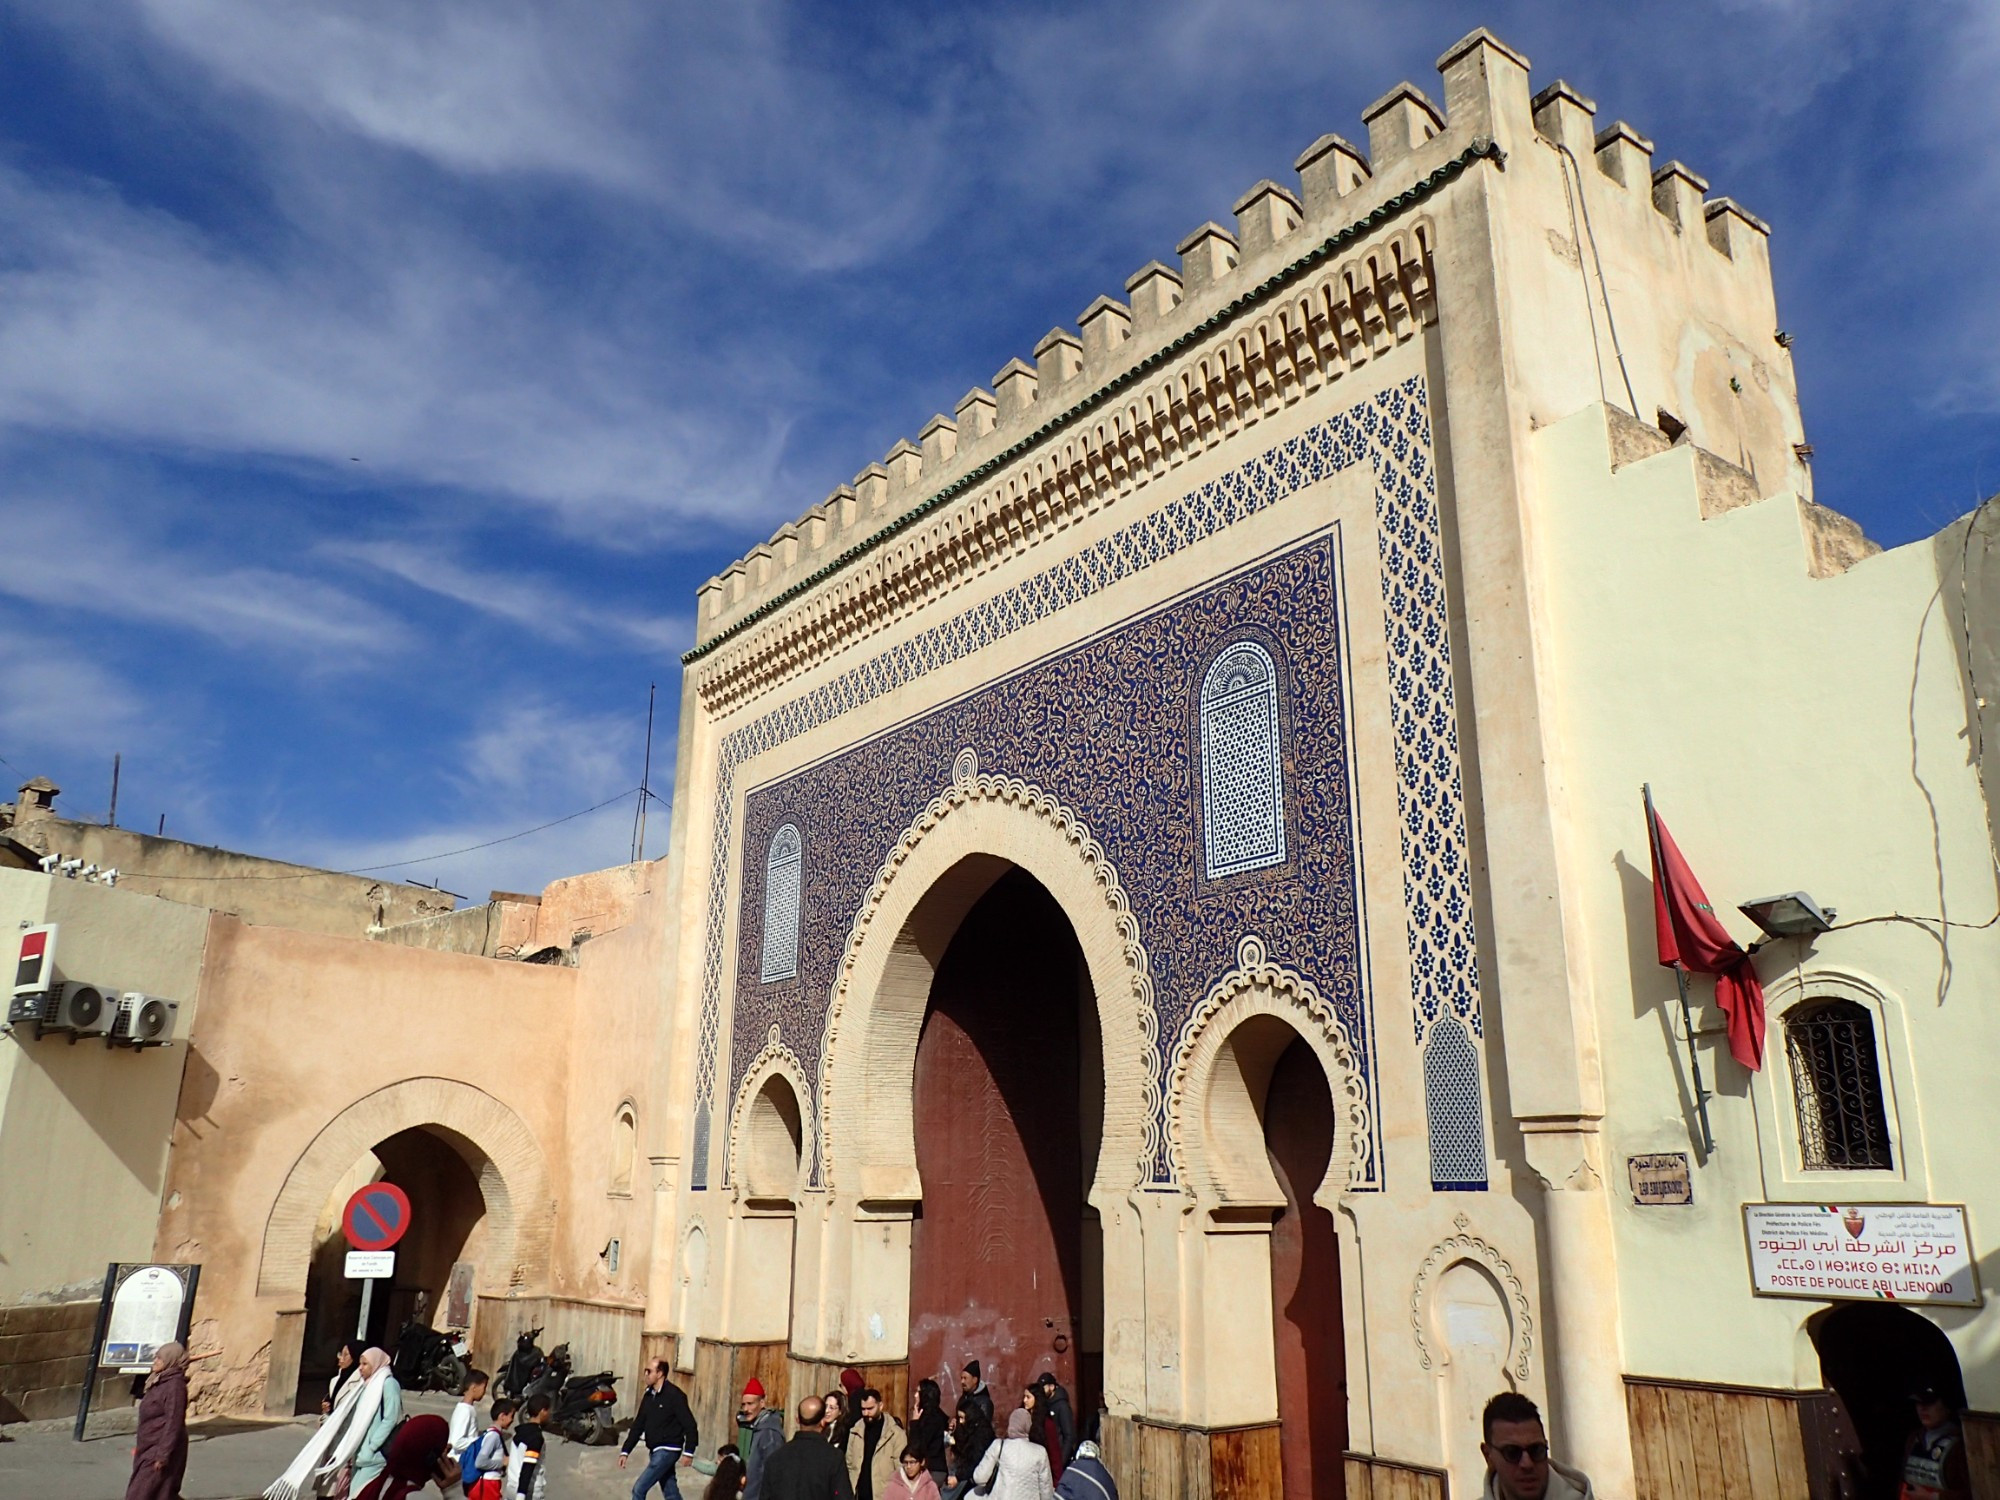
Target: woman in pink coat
{"x": 161, "y": 1457}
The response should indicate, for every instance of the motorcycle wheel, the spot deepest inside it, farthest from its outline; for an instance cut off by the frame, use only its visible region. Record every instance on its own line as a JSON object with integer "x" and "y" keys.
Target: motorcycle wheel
{"x": 448, "y": 1374}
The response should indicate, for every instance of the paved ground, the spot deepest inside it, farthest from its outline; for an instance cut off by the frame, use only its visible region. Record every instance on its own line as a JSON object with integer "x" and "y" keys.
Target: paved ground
{"x": 235, "y": 1460}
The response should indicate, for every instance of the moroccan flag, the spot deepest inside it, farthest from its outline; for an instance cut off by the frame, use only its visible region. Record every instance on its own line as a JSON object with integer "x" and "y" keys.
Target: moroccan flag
{"x": 1690, "y": 938}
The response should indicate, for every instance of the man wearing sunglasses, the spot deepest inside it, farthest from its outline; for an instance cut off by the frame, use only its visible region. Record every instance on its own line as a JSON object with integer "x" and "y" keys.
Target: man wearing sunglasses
{"x": 1518, "y": 1466}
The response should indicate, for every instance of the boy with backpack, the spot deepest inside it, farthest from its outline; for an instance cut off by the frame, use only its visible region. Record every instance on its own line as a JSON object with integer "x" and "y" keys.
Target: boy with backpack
{"x": 465, "y": 1413}
{"x": 485, "y": 1474}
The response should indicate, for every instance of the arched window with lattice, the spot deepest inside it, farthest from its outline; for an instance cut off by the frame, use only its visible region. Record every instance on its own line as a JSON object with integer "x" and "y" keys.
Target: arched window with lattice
{"x": 784, "y": 870}
{"x": 1837, "y": 1086}
{"x": 1242, "y": 763}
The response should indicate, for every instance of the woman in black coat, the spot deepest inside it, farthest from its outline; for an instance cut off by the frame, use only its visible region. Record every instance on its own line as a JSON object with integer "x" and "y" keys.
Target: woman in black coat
{"x": 160, "y": 1459}
{"x": 927, "y": 1428}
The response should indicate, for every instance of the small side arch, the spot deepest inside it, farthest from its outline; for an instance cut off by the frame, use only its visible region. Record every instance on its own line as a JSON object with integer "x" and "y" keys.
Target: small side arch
{"x": 494, "y": 1141}
{"x": 1226, "y": 1052}
{"x": 770, "y": 1127}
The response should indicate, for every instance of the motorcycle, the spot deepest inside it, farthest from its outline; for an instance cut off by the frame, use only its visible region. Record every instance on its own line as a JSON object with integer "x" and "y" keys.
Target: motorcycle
{"x": 524, "y": 1366}
{"x": 549, "y": 1376}
{"x": 584, "y": 1412}
{"x": 427, "y": 1360}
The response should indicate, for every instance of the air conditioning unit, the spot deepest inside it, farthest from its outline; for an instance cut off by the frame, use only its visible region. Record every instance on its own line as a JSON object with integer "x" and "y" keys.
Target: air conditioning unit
{"x": 35, "y": 972}
{"x": 145, "y": 1021}
{"x": 84, "y": 1009}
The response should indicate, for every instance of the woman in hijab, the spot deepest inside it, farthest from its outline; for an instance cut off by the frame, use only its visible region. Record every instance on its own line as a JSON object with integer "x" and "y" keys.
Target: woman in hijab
{"x": 1018, "y": 1468}
{"x": 161, "y": 1457}
{"x": 323, "y": 1466}
{"x": 372, "y": 1457}
{"x": 346, "y": 1363}
{"x": 419, "y": 1453}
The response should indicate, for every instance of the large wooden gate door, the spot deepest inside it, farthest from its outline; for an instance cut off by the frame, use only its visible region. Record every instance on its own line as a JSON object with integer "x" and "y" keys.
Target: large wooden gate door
{"x": 996, "y": 1250}
{"x": 1305, "y": 1281}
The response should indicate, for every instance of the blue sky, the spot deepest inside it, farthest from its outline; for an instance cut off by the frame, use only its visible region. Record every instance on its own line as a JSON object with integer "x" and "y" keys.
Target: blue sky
{"x": 378, "y": 381}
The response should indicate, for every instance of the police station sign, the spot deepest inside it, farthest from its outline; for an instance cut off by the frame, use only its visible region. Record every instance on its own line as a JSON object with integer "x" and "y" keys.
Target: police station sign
{"x": 1891, "y": 1252}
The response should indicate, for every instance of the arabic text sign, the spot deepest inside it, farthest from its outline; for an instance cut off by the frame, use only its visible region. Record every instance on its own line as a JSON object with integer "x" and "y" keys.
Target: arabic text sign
{"x": 1893, "y": 1252}
{"x": 145, "y": 1313}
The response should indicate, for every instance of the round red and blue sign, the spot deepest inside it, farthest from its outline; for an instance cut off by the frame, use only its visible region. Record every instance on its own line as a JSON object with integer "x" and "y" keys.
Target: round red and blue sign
{"x": 376, "y": 1216}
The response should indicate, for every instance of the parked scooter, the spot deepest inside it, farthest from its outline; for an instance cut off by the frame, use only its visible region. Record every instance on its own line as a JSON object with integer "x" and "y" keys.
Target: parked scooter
{"x": 550, "y": 1376}
{"x": 427, "y": 1360}
{"x": 525, "y": 1366}
{"x": 584, "y": 1411}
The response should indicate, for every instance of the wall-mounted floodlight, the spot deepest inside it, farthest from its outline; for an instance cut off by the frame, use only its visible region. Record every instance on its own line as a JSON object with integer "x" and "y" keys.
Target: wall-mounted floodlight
{"x": 1794, "y": 914}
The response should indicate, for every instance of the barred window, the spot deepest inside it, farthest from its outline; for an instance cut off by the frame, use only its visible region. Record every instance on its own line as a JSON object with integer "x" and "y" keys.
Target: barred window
{"x": 1837, "y": 1083}
{"x": 783, "y": 871}
{"x": 1242, "y": 768}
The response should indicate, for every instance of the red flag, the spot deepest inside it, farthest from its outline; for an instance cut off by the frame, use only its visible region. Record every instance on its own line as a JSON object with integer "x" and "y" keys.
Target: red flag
{"x": 1690, "y": 938}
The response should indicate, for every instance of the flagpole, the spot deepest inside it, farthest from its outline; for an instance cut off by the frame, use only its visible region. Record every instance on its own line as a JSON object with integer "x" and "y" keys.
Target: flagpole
{"x": 1701, "y": 1095}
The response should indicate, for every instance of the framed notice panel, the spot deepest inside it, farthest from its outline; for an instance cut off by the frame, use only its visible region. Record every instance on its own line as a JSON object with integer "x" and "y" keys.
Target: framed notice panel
{"x": 1890, "y": 1252}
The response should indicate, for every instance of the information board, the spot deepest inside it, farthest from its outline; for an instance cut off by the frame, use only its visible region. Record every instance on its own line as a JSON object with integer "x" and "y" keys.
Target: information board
{"x": 146, "y": 1312}
{"x": 1891, "y": 1252}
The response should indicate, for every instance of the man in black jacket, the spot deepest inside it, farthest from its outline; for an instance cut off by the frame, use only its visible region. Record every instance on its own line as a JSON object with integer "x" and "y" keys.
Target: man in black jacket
{"x": 808, "y": 1467}
{"x": 1059, "y": 1408}
{"x": 665, "y": 1423}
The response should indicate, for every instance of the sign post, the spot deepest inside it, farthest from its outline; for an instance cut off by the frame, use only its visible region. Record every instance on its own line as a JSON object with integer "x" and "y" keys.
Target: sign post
{"x": 144, "y": 1306}
{"x": 376, "y": 1217}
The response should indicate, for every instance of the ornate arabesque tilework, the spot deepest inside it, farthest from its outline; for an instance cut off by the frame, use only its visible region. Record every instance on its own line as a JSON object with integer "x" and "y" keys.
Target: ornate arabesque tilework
{"x": 1242, "y": 768}
{"x": 1391, "y": 431}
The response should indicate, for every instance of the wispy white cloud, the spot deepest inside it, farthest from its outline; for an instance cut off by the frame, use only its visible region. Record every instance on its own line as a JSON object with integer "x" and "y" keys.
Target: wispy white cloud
{"x": 54, "y": 697}
{"x": 535, "y": 603}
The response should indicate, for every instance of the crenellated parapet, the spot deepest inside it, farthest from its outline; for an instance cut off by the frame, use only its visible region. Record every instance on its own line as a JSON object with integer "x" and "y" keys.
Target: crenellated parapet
{"x": 1317, "y": 277}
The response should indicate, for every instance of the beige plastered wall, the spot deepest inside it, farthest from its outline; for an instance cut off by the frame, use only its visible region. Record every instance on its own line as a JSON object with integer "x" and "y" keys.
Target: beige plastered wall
{"x": 84, "y": 1127}
{"x": 310, "y": 1049}
{"x": 1799, "y": 733}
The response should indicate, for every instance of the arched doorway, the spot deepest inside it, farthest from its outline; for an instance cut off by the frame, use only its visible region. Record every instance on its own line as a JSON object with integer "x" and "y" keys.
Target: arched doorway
{"x": 1308, "y": 1342}
{"x": 1006, "y": 1256}
{"x": 1873, "y": 1355}
{"x": 440, "y": 1172}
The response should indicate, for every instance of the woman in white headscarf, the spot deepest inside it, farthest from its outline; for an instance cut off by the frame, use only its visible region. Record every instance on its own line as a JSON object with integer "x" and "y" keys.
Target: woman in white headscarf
{"x": 372, "y": 1457}
{"x": 330, "y": 1460}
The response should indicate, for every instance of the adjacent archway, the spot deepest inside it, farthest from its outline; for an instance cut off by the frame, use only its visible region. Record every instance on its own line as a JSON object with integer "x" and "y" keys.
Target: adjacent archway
{"x": 497, "y": 1151}
{"x": 1008, "y": 1089}
{"x": 1873, "y": 1355}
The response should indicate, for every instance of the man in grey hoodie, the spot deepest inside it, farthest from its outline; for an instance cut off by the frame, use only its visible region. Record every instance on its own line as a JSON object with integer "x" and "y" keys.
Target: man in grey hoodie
{"x": 1516, "y": 1448}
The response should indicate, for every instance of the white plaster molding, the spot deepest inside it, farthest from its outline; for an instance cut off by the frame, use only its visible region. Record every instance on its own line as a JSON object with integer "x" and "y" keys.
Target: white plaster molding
{"x": 1255, "y": 987}
{"x": 968, "y": 789}
{"x": 1467, "y": 1246}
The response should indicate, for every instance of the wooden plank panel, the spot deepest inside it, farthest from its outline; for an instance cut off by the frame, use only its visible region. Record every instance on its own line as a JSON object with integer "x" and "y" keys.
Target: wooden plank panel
{"x": 1758, "y": 1420}
{"x": 1701, "y": 1441}
{"x": 1982, "y": 1453}
{"x": 1680, "y": 1456}
{"x": 1645, "y": 1414}
{"x": 1731, "y": 1457}
{"x": 1788, "y": 1451}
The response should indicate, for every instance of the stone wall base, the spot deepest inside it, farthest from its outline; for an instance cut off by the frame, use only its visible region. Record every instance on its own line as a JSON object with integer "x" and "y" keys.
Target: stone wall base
{"x": 44, "y": 1354}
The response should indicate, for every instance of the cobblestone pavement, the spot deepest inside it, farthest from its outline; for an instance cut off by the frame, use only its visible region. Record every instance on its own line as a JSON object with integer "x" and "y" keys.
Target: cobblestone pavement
{"x": 236, "y": 1459}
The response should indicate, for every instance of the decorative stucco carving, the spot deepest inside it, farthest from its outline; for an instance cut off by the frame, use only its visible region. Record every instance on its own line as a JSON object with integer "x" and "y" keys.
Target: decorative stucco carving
{"x": 1467, "y": 1246}
{"x": 1257, "y": 986}
{"x": 967, "y": 787}
{"x": 780, "y": 1059}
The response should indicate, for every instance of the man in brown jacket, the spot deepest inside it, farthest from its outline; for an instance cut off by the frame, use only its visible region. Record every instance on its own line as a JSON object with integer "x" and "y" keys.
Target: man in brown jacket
{"x": 874, "y": 1448}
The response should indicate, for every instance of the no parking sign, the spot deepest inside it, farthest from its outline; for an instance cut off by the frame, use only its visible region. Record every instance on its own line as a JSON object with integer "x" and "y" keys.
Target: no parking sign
{"x": 376, "y": 1216}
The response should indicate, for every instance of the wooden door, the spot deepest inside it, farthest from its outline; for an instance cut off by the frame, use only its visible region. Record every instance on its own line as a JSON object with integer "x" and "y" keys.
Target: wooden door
{"x": 1305, "y": 1282}
{"x": 996, "y": 1262}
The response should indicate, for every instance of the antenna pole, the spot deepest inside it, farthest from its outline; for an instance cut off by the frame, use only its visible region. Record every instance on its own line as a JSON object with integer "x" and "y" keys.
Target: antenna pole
{"x": 111, "y": 818}
{"x": 645, "y": 780}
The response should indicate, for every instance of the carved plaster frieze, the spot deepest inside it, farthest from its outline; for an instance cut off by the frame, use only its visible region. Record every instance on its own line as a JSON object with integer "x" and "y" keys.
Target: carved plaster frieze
{"x": 1257, "y": 986}
{"x": 967, "y": 787}
{"x": 1467, "y": 1246}
{"x": 1358, "y": 309}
